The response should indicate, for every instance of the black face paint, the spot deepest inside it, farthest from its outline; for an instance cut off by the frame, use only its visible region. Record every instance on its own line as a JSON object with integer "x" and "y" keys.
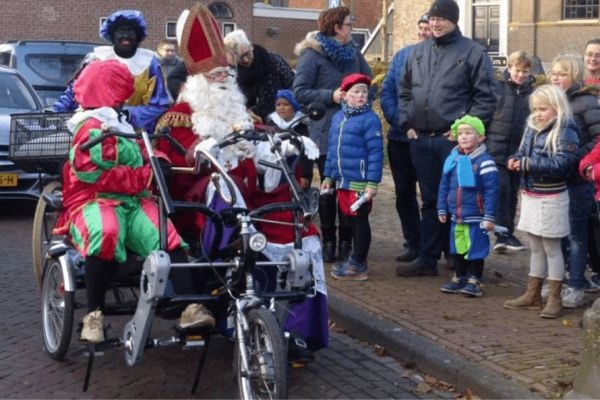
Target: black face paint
{"x": 125, "y": 40}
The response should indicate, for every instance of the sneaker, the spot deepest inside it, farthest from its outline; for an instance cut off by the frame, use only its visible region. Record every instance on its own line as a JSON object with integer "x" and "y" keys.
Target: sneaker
{"x": 351, "y": 270}
{"x": 595, "y": 279}
{"x": 473, "y": 288}
{"x": 501, "y": 243}
{"x": 455, "y": 285}
{"x": 571, "y": 297}
{"x": 590, "y": 287}
{"x": 513, "y": 244}
{"x": 195, "y": 316}
{"x": 93, "y": 327}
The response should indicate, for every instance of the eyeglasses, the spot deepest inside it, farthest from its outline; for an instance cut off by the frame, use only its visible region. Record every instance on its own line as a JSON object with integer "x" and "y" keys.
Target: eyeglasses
{"x": 246, "y": 56}
{"x": 218, "y": 74}
{"x": 347, "y": 24}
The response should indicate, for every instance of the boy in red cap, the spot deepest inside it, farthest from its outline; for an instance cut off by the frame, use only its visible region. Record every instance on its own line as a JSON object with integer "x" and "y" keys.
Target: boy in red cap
{"x": 354, "y": 164}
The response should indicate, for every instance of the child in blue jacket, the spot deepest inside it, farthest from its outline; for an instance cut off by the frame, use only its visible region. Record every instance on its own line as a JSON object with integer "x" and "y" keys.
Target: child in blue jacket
{"x": 468, "y": 194}
{"x": 354, "y": 164}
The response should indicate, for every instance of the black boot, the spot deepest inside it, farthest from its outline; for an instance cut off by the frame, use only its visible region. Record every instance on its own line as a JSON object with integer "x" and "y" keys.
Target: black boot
{"x": 344, "y": 250}
{"x": 329, "y": 252}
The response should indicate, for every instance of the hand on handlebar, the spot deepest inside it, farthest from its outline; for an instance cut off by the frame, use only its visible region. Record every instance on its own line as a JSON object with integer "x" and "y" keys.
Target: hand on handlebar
{"x": 205, "y": 145}
{"x": 310, "y": 148}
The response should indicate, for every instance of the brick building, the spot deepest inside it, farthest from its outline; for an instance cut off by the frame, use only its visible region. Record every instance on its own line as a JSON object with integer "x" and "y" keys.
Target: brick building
{"x": 276, "y": 28}
{"x": 543, "y": 28}
{"x": 80, "y": 20}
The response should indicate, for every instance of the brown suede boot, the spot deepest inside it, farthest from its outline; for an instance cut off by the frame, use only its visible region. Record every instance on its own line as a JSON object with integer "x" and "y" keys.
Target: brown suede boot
{"x": 531, "y": 299}
{"x": 553, "y": 304}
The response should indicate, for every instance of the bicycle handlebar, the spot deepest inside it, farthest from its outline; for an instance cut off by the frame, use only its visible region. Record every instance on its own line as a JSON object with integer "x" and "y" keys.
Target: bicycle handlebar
{"x": 163, "y": 133}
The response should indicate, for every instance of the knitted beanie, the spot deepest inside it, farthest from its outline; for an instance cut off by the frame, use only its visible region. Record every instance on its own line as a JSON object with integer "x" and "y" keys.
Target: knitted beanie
{"x": 446, "y": 9}
{"x": 470, "y": 120}
{"x": 289, "y": 96}
{"x": 423, "y": 19}
{"x": 353, "y": 79}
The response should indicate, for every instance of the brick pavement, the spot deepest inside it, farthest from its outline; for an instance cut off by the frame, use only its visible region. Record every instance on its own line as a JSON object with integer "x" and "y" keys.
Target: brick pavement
{"x": 539, "y": 354}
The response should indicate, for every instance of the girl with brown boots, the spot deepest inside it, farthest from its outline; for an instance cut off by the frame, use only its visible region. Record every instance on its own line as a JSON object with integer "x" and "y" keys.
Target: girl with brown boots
{"x": 544, "y": 159}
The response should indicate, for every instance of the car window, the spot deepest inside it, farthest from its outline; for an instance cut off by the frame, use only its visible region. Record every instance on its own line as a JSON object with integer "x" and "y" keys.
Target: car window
{"x": 55, "y": 68}
{"x": 5, "y": 58}
{"x": 14, "y": 93}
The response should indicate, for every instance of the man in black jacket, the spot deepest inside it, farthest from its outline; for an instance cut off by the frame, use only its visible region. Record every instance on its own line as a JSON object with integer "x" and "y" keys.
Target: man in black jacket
{"x": 445, "y": 78}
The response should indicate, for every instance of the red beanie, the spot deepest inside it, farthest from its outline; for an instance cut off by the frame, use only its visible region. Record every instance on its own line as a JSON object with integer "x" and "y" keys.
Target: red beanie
{"x": 103, "y": 84}
{"x": 353, "y": 79}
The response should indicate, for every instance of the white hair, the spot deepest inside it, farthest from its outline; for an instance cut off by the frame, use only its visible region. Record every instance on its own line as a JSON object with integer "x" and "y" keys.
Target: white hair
{"x": 233, "y": 40}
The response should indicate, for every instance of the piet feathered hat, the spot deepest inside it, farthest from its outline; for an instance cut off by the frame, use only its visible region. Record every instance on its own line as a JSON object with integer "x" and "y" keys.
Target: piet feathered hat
{"x": 200, "y": 43}
{"x": 117, "y": 18}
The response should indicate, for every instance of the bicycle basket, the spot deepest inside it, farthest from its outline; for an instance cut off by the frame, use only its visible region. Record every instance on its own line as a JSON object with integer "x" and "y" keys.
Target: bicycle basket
{"x": 39, "y": 142}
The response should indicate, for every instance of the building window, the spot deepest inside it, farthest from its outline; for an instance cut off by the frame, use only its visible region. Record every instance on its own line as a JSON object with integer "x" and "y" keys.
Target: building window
{"x": 220, "y": 10}
{"x": 581, "y": 9}
{"x": 171, "y": 30}
{"x": 360, "y": 36}
{"x": 227, "y": 27}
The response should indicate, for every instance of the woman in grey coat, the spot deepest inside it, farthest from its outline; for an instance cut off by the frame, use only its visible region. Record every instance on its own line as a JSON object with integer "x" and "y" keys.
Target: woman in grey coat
{"x": 326, "y": 56}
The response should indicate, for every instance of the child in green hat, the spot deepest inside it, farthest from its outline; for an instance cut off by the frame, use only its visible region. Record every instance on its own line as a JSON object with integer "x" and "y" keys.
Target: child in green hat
{"x": 467, "y": 196}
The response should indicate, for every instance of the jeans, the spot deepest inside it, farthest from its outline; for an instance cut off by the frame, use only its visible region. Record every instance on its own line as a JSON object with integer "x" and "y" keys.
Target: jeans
{"x": 581, "y": 199}
{"x": 428, "y": 154}
{"x": 405, "y": 186}
{"x": 507, "y": 198}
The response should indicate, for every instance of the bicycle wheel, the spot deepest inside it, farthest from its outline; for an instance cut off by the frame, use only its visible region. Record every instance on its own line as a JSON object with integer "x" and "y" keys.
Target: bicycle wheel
{"x": 43, "y": 224}
{"x": 58, "y": 309}
{"x": 267, "y": 358}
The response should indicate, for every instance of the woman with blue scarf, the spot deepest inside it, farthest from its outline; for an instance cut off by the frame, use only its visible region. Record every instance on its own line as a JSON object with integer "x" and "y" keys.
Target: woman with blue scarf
{"x": 326, "y": 57}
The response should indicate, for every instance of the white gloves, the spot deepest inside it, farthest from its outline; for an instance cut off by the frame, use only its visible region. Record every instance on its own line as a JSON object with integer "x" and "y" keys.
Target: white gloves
{"x": 206, "y": 144}
{"x": 310, "y": 148}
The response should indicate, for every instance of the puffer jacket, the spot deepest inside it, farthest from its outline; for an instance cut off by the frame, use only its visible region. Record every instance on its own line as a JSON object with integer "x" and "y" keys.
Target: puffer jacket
{"x": 592, "y": 160}
{"x": 316, "y": 79}
{"x": 444, "y": 79}
{"x": 586, "y": 114}
{"x": 469, "y": 204}
{"x": 389, "y": 94}
{"x": 355, "y": 152}
{"x": 541, "y": 172}
{"x": 503, "y": 135}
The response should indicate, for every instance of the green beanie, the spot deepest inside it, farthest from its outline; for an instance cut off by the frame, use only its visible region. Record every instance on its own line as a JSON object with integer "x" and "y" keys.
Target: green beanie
{"x": 470, "y": 120}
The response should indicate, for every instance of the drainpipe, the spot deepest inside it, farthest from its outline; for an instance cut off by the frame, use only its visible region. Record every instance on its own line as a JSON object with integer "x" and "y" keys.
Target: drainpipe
{"x": 384, "y": 47}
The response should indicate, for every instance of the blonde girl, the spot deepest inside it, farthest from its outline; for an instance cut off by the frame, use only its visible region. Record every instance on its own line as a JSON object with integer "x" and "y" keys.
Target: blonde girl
{"x": 567, "y": 72}
{"x": 545, "y": 159}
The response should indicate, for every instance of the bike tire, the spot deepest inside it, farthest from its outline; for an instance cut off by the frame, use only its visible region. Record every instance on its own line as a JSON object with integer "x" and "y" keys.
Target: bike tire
{"x": 44, "y": 221}
{"x": 265, "y": 346}
{"x": 58, "y": 311}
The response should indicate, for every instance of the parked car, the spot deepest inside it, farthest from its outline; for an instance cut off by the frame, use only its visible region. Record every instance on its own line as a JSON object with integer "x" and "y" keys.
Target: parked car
{"x": 47, "y": 64}
{"x": 16, "y": 96}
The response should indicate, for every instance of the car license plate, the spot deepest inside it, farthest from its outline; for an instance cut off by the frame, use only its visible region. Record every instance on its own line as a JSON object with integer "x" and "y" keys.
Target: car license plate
{"x": 9, "y": 179}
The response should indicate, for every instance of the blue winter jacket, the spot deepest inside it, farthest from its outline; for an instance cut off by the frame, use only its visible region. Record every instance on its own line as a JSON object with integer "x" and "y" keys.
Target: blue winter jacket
{"x": 541, "y": 172}
{"x": 472, "y": 203}
{"x": 355, "y": 151}
{"x": 389, "y": 94}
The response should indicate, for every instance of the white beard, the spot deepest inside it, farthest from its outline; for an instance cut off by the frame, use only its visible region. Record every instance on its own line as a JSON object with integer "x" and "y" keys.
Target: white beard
{"x": 218, "y": 109}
